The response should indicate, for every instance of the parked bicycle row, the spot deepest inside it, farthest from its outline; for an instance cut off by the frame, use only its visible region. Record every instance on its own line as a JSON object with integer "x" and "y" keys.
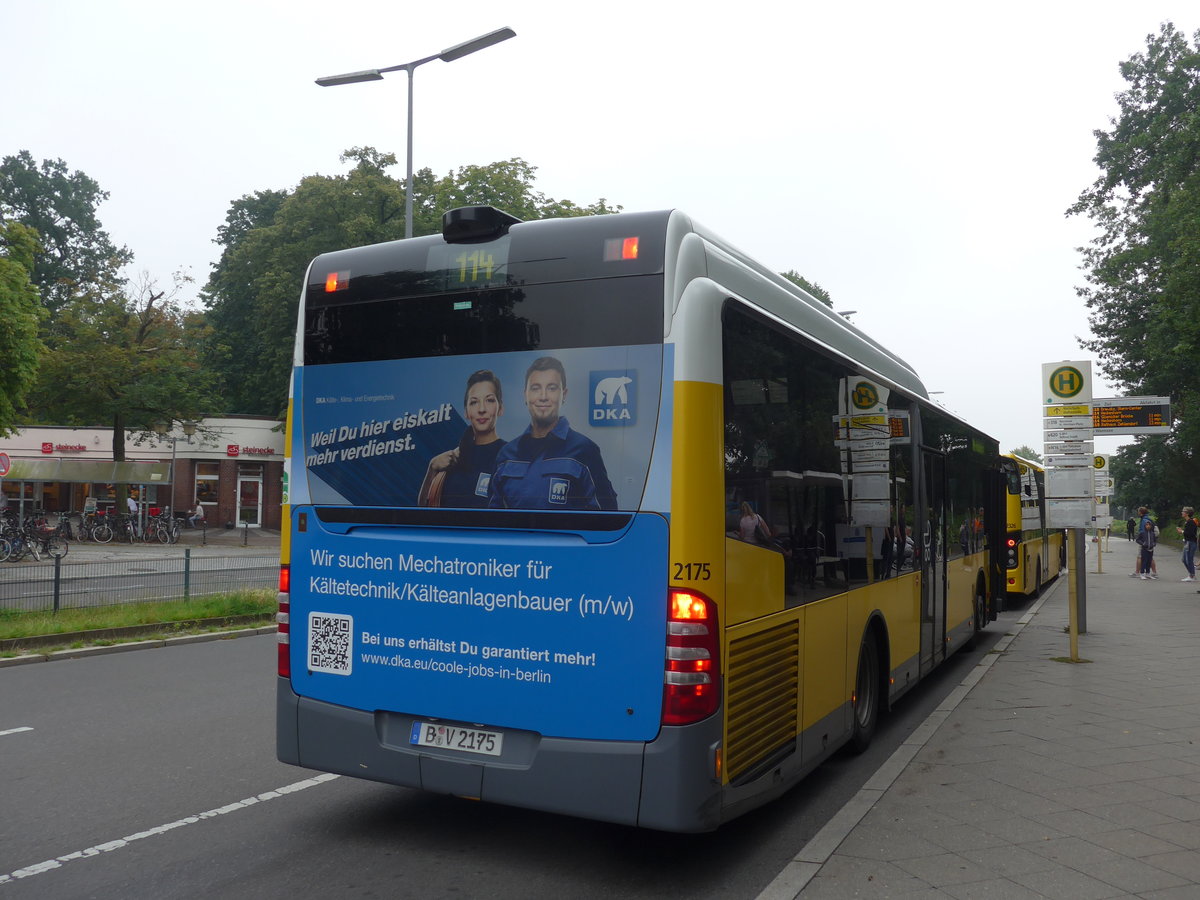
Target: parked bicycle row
{"x": 30, "y": 536}
{"x": 159, "y": 527}
{"x": 33, "y": 536}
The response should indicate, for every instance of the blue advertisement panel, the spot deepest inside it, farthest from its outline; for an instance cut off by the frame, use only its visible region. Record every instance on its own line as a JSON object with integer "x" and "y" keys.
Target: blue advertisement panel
{"x": 548, "y": 632}
{"x": 559, "y": 633}
{"x": 568, "y": 430}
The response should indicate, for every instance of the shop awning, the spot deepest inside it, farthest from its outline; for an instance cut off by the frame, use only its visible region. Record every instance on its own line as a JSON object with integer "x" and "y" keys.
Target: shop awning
{"x": 89, "y": 471}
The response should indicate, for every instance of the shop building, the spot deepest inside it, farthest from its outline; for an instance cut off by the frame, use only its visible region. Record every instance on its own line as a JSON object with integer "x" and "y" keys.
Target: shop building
{"x": 233, "y": 465}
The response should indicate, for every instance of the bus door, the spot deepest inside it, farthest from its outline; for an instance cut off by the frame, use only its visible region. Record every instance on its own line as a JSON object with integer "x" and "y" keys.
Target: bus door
{"x": 931, "y": 545}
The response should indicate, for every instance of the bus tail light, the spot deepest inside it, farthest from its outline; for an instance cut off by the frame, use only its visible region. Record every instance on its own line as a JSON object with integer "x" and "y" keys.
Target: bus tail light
{"x": 283, "y": 619}
{"x": 692, "y": 677}
{"x": 1011, "y": 545}
{"x": 617, "y": 249}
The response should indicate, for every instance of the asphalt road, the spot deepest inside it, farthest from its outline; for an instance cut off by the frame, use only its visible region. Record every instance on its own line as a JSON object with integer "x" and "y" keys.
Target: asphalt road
{"x": 152, "y": 774}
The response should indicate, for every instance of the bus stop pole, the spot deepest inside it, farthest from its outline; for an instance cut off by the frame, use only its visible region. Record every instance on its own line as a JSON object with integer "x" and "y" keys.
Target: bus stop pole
{"x": 1074, "y": 582}
{"x": 1081, "y": 589}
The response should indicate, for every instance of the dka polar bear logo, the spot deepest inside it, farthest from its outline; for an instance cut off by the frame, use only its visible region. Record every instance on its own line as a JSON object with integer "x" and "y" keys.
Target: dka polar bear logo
{"x": 613, "y": 398}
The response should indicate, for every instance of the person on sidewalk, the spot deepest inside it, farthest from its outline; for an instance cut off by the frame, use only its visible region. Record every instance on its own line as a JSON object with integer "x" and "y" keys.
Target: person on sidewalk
{"x": 1189, "y": 542}
{"x": 132, "y": 505}
{"x": 1147, "y": 539}
{"x": 1130, "y": 528}
{"x": 1143, "y": 518}
{"x": 196, "y": 516}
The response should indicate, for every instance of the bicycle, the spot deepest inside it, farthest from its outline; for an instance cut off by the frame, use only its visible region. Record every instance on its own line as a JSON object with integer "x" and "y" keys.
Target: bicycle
{"x": 99, "y": 528}
{"x": 20, "y": 546}
{"x": 52, "y": 541}
{"x": 125, "y": 530}
{"x": 155, "y": 531}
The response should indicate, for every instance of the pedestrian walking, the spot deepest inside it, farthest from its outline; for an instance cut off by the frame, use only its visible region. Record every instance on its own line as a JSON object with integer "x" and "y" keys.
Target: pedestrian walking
{"x": 1188, "y": 531}
{"x": 1130, "y": 528}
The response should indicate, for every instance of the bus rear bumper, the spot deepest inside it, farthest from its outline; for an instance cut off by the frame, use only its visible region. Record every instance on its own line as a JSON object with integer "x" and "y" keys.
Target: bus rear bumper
{"x": 666, "y": 784}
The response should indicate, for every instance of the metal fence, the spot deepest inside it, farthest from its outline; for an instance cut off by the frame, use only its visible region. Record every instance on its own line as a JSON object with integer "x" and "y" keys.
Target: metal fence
{"x": 75, "y": 585}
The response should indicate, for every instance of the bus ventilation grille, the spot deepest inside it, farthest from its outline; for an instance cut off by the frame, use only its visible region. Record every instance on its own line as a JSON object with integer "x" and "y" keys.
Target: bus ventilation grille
{"x": 763, "y": 699}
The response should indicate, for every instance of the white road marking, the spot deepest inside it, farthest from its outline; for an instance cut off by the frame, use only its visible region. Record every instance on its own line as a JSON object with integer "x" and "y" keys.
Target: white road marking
{"x": 15, "y": 730}
{"x": 109, "y": 846}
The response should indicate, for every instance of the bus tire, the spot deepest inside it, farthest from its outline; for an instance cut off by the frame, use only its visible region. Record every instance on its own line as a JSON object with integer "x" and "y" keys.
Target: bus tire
{"x": 865, "y": 703}
{"x": 1037, "y": 581}
{"x": 979, "y": 618}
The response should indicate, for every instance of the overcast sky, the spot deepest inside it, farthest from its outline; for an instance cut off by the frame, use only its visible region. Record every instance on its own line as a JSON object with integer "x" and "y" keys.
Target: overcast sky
{"x": 915, "y": 159}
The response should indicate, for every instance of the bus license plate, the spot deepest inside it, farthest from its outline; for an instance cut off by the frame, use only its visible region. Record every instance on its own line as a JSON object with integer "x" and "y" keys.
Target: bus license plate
{"x": 451, "y": 737}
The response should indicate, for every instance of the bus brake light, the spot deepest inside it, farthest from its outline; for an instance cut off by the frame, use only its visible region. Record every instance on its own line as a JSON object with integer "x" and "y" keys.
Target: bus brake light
{"x": 617, "y": 249}
{"x": 283, "y": 619}
{"x": 337, "y": 281}
{"x": 692, "y": 677}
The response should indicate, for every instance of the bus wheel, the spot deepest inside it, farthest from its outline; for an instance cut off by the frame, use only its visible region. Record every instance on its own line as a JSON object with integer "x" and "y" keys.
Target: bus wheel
{"x": 980, "y": 618}
{"x": 1037, "y": 581}
{"x": 866, "y": 695}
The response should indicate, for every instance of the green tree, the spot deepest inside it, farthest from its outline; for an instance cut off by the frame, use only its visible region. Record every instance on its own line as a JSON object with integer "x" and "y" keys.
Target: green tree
{"x": 270, "y": 237}
{"x": 811, "y": 286}
{"x": 506, "y": 185}
{"x": 1142, "y": 270}
{"x": 20, "y": 311}
{"x": 1027, "y": 452}
{"x": 1147, "y": 473}
{"x": 133, "y": 361}
{"x": 61, "y": 207}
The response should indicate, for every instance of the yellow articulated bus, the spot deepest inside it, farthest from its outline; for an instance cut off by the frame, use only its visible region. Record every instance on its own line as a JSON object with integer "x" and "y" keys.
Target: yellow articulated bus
{"x": 1033, "y": 553}
{"x": 599, "y": 516}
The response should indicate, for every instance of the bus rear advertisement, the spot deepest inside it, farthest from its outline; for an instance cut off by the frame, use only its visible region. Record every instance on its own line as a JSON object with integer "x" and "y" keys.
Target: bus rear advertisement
{"x": 600, "y": 517}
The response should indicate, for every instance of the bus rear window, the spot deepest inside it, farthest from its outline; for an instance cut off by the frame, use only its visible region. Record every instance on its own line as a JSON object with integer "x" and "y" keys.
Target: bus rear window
{"x": 598, "y": 313}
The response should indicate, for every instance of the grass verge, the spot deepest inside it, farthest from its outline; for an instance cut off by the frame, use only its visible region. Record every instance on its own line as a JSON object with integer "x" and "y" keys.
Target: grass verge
{"x": 17, "y": 624}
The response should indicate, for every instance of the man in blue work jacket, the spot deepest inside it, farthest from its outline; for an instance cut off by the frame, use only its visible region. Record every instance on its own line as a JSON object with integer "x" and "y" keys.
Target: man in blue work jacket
{"x": 550, "y": 466}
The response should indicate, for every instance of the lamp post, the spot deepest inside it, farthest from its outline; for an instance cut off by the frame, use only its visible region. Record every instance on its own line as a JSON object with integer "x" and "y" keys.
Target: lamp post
{"x": 161, "y": 429}
{"x": 450, "y": 54}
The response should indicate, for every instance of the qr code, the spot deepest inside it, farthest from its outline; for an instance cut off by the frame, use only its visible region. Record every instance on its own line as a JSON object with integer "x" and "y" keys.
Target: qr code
{"x": 329, "y": 639}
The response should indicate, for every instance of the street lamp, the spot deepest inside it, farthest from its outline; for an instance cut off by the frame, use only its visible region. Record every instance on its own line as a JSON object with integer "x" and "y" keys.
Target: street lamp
{"x": 161, "y": 429}
{"x": 450, "y": 54}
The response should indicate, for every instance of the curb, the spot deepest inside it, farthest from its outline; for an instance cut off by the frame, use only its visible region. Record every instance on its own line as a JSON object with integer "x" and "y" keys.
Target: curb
{"x": 804, "y": 866}
{"x": 82, "y": 652}
{"x": 32, "y": 642}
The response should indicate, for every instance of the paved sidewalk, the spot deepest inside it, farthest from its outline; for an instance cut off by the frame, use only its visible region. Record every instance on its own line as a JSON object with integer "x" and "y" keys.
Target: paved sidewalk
{"x": 202, "y": 542}
{"x": 1039, "y": 777}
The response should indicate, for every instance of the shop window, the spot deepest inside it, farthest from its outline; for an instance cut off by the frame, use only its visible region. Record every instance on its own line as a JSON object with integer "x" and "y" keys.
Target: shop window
{"x": 207, "y": 476}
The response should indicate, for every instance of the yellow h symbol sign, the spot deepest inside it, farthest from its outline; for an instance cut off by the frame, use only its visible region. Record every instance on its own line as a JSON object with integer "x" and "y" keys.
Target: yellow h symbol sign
{"x": 1066, "y": 381}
